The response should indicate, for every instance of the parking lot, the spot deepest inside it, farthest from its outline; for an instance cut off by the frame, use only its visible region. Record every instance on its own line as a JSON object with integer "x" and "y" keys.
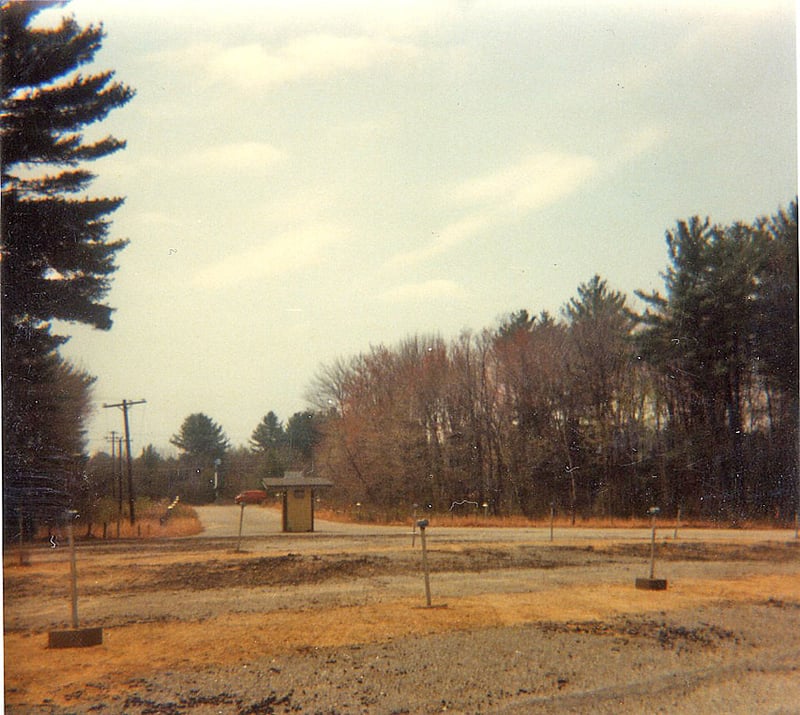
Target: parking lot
{"x": 336, "y": 621}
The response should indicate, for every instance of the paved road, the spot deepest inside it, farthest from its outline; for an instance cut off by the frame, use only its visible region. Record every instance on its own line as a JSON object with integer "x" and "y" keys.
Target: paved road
{"x": 257, "y": 521}
{"x": 222, "y": 521}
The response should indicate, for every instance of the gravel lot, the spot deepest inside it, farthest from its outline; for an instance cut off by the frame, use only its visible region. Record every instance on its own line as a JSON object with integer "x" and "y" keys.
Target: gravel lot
{"x": 337, "y": 622}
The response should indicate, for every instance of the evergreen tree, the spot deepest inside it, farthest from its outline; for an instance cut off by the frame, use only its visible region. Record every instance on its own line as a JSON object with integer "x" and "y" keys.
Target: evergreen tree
{"x": 776, "y": 334}
{"x": 201, "y": 438}
{"x": 302, "y": 434}
{"x": 56, "y": 256}
{"x": 777, "y": 305}
{"x": 269, "y": 434}
{"x": 149, "y": 468}
{"x": 707, "y": 338}
{"x": 599, "y": 372}
{"x": 204, "y": 445}
{"x": 57, "y": 261}
{"x": 600, "y": 327}
{"x": 269, "y": 443}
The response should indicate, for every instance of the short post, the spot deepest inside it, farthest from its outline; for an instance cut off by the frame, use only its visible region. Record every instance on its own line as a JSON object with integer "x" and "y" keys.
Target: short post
{"x": 653, "y": 543}
{"x": 677, "y": 523}
{"x": 652, "y": 583}
{"x": 414, "y": 526}
{"x": 73, "y": 571}
{"x": 24, "y": 557}
{"x": 76, "y": 637}
{"x": 552, "y": 518}
{"x": 241, "y": 519}
{"x": 422, "y": 523}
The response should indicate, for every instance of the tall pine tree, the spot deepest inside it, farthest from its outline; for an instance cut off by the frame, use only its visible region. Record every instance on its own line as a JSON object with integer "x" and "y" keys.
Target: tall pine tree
{"x": 724, "y": 336}
{"x": 57, "y": 259}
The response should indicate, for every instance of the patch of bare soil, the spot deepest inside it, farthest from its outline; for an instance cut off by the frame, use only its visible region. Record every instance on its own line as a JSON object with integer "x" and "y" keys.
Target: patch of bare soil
{"x": 287, "y": 570}
{"x": 668, "y": 636}
{"x": 294, "y": 568}
{"x": 698, "y": 551}
{"x": 193, "y": 628}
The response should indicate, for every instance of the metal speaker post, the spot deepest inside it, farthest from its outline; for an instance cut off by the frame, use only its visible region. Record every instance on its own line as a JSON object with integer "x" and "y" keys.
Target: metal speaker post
{"x": 422, "y": 524}
{"x": 652, "y": 583}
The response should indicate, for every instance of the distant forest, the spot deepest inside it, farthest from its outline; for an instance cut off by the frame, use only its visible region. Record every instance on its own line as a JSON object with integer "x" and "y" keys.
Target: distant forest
{"x": 599, "y": 411}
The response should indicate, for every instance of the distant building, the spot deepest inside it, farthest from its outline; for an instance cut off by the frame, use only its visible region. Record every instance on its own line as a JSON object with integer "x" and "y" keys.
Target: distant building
{"x": 298, "y": 492}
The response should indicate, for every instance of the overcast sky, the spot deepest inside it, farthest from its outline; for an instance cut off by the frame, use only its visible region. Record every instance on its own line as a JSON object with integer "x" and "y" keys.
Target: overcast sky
{"x": 306, "y": 179}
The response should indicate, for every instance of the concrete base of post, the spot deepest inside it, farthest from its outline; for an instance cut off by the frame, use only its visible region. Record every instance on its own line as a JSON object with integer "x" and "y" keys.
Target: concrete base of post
{"x": 651, "y": 584}
{"x": 75, "y": 638}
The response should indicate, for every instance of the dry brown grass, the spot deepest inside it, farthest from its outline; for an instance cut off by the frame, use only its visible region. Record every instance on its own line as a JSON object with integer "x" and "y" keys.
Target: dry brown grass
{"x": 149, "y": 528}
{"x": 207, "y": 637}
{"x": 128, "y": 652}
{"x": 149, "y": 525}
{"x": 518, "y": 521}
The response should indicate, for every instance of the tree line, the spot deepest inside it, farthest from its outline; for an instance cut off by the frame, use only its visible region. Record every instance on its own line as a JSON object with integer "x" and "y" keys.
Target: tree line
{"x": 690, "y": 403}
{"x": 207, "y": 467}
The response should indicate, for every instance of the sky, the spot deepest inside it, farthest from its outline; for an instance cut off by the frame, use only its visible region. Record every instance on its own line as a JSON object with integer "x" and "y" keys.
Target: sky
{"x": 304, "y": 180}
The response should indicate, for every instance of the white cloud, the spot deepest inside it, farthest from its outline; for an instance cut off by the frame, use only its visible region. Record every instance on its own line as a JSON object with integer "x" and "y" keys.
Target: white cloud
{"x": 505, "y": 195}
{"x": 643, "y": 142}
{"x": 315, "y": 56}
{"x": 285, "y": 253}
{"x": 533, "y": 183}
{"x": 746, "y": 8}
{"x": 398, "y": 17}
{"x": 244, "y": 157}
{"x": 450, "y": 236}
{"x": 426, "y": 290}
{"x": 159, "y": 218}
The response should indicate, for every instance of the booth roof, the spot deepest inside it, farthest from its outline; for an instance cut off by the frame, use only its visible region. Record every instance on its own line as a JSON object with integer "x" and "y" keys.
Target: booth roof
{"x": 295, "y": 479}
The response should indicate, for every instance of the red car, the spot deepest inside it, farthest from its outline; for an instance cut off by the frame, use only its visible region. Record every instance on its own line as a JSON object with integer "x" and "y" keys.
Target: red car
{"x": 251, "y": 496}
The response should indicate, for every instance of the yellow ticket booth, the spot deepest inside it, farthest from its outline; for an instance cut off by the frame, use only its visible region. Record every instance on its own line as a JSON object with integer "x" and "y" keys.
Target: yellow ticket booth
{"x": 298, "y": 492}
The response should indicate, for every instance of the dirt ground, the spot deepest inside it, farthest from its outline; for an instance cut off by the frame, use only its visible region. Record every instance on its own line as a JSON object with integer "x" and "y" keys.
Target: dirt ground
{"x": 337, "y": 622}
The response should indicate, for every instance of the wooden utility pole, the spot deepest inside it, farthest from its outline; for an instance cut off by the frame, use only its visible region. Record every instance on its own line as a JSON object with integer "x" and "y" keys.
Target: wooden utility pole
{"x": 113, "y": 440}
{"x": 115, "y": 489}
{"x": 119, "y": 483}
{"x": 124, "y": 405}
